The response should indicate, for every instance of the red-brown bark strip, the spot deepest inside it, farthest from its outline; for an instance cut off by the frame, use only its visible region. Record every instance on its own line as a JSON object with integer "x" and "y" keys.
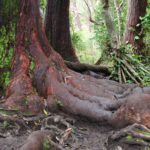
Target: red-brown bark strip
{"x": 133, "y": 28}
{"x": 20, "y": 90}
{"x": 20, "y": 63}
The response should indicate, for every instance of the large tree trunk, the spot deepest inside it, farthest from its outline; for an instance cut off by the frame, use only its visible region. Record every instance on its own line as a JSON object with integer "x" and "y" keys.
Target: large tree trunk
{"x": 62, "y": 88}
{"x": 57, "y": 28}
{"x": 133, "y": 30}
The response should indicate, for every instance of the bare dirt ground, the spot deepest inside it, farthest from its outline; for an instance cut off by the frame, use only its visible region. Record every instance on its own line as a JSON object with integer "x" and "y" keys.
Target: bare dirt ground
{"x": 84, "y": 135}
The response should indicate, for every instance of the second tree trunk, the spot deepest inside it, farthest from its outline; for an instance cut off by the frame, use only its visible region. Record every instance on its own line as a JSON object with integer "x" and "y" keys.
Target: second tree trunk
{"x": 57, "y": 28}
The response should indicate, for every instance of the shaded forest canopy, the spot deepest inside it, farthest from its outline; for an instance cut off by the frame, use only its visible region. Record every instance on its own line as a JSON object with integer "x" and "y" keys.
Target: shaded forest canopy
{"x": 41, "y": 72}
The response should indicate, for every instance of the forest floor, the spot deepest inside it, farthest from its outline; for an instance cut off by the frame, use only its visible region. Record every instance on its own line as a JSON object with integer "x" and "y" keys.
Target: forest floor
{"x": 84, "y": 135}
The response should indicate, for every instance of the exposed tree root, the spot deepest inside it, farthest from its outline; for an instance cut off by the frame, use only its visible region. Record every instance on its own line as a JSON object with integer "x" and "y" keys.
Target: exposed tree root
{"x": 131, "y": 129}
{"x": 55, "y": 130}
{"x": 81, "y": 67}
{"x": 134, "y": 110}
{"x": 53, "y": 134}
{"x": 41, "y": 140}
{"x": 139, "y": 137}
{"x": 11, "y": 119}
{"x": 59, "y": 88}
{"x": 52, "y": 122}
{"x": 135, "y": 142}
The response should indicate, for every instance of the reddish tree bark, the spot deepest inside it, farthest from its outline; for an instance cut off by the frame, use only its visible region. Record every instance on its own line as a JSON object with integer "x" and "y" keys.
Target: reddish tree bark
{"x": 21, "y": 83}
{"x": 57, "y": 28}
{"x": 133, "y": 29}
{"x": 63, "y": 89}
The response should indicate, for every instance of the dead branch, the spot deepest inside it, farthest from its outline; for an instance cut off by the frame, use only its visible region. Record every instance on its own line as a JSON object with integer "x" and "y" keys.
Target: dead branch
{"x": 98, "y": 61}
{"x": 119, "y": 75}
{"x": 131, "y": 129}
{"x": 90, "y": 15}
{"x": 134, "y": 142}
{"x": 130, "y": 75}
{"x": 132, "y": 70}
{"x": 54, "y": 123}
{"x": 81, "y": 67}
{"x": 13, "y": 119}
{"x": 121, "y": 4}
{"x": 123, "y": 76}
{"x": 65, "y": 136}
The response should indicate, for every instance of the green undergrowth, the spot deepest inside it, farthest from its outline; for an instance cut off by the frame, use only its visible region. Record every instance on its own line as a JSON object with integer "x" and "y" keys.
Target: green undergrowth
{"x": 7, "y": 39}
{"x": 6, "y": 53}
{"x": 58, "y": 102}
{"x": 31, "y": 67}
{"x": 131, "y": 138}
{"x": 142, "y": 131}
{"x": 128, "y": 67}
{"x": 46, "y": 144}
{"x": 14, "y": 111}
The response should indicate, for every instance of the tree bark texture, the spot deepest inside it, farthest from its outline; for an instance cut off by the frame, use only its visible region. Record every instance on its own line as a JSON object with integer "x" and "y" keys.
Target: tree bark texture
{"x": 57, "y": 28}
{"x": 51, "y": 85}
{"x": 133, "y": 28}
{"x": 109, "y": 24}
